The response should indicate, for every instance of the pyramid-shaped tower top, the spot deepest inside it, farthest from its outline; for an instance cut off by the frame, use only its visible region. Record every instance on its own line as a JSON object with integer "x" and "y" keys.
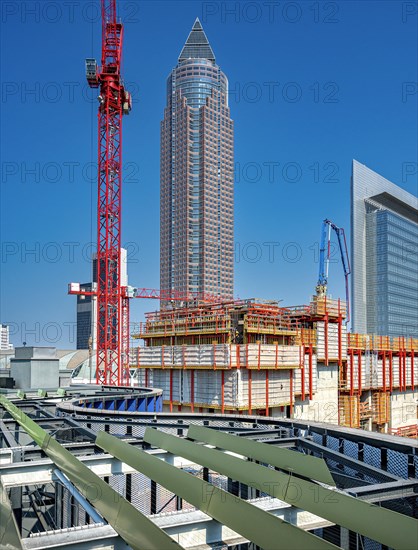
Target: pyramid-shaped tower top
{"x": 197, "y": 45}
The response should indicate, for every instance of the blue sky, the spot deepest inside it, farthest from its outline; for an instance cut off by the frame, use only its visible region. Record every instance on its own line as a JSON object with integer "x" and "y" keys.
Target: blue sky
{"x": 312, "y": 86}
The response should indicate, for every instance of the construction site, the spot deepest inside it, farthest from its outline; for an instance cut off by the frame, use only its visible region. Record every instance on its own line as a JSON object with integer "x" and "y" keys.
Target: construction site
{"x": 250, "y": 356}
{"x": 233, "y": 356}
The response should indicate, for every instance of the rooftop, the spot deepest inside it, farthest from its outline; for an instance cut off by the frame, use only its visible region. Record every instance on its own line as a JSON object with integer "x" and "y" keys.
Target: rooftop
{"x": 197, "y": 45}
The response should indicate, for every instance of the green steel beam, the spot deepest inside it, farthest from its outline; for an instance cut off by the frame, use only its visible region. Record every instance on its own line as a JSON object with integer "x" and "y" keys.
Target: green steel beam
{"x": 291, "y": 461}
{"x": 389, "y": 528}
{"x": 9, "y": 533}
{"x": 260, "y": 527}
{"x": 136, "y": 529}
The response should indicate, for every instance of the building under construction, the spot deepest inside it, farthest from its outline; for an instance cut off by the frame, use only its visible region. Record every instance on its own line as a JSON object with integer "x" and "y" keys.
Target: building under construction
{"x": 252, "y": 356}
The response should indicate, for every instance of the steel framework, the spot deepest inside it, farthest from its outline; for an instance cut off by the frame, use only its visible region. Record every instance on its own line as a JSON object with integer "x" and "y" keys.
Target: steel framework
{"x": 52, "y": 484}
{"x": 114, "y": 102}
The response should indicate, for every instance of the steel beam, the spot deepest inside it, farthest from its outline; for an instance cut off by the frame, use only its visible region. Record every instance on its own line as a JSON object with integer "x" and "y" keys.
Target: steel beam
{"x": 258, "y": 526}
{"x": 89, "y": 537}
{"x": 79, "y": 497}
{"x": 361, "y": 517}
{"x": 41, "y": 471}
{"x": 7, "y": 435}
{"x": 405, "y": 488}
{"x": 135, "y": 528}
{"x": 9, "y": 532}
{"x": 298, "y": 463}
{"x": 353, "y": 463}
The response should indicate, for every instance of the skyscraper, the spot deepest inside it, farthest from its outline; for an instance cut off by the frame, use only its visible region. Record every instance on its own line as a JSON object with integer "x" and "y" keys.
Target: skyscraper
{"x": 197, "y": 167}
{"x": 384, "y": 237}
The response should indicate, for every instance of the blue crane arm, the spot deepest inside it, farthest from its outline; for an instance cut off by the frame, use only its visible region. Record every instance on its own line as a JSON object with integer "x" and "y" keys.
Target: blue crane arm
{"x": 324, "y": 257}
{"x": 343, "y": 249}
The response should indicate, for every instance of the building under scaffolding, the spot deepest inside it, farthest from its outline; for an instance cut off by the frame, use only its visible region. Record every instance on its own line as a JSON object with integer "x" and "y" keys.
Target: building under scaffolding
{"x": 257, "y": 357}
{"x": 89, "y": 469}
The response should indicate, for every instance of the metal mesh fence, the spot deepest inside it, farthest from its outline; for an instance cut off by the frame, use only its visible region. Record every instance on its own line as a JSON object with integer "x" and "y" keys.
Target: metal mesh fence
{"x": 332, "y": 443}
{"x": 156, "y": 499}
{"x": 118, "y": 483}
{"x": 407, "y": 506}
{"x": 369, "y": 544}
{"x": 398, "y": 463}
{"x": 351, "y": 450}
{"x": 141, "y": 492}
{"x": 372, "y": 456}
{"x": 317, "y": 437}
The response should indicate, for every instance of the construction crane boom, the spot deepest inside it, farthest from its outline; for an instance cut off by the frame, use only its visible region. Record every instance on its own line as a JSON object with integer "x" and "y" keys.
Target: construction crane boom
{"x": 149, "y": 294}
{"x": 114, "y": 101}
{"x": 324, "y": 259}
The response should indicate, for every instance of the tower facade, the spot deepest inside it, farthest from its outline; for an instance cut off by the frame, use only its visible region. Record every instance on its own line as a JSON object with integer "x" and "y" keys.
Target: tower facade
{"x": 197, "y": 175}
{"x": 384, "y": 236}
{"x": 87, "y": 305}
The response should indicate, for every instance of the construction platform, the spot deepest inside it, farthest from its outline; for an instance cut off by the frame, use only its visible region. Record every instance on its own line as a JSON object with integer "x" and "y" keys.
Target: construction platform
{"x": 256, "y": 356}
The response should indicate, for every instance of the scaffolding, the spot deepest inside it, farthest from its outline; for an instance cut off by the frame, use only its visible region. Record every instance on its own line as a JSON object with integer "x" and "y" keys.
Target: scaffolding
{"x": 241, "y": 322}
{"x": 349, "y": 411}
{"x": 381, "y": 362}
{"x": 199, "y": 338}
{"x": 381, "y": 407}
{"x": 406, "y": 431}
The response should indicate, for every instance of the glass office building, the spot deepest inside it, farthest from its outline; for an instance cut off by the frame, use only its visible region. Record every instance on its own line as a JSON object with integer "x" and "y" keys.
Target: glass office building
{"x": 384, "y": 236}
{"x": 196, "y": 179}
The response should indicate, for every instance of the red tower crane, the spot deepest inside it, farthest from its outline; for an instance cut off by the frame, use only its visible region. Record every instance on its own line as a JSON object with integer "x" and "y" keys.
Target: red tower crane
{"x": 112, "y": 333}
{"x": 114, "y": 102}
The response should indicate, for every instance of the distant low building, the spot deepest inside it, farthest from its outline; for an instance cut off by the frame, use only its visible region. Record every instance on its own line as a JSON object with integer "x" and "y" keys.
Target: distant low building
{"x": 384, "y": 245}
{"x": 86, "y": 314}
{"x": 4, "y": 338}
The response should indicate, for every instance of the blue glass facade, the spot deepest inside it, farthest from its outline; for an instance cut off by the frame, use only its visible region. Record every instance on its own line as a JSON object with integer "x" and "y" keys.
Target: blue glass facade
{"x": 384, "y": 243}
{"x": 394, "y": 283}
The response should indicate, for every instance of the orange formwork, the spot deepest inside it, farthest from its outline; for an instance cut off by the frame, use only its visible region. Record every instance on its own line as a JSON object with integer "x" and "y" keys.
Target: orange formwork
{"x": 349, "y": 411}
{"x": 406, "y": 431}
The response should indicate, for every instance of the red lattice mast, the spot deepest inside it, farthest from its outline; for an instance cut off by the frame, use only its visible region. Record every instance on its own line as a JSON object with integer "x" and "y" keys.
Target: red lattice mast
{"x": 112, "y": 356}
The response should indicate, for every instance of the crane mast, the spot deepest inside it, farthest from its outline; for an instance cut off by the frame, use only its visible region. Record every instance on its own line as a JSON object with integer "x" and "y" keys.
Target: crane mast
{"x": 112, "y": 302}
{"x": 112, "y": 332}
